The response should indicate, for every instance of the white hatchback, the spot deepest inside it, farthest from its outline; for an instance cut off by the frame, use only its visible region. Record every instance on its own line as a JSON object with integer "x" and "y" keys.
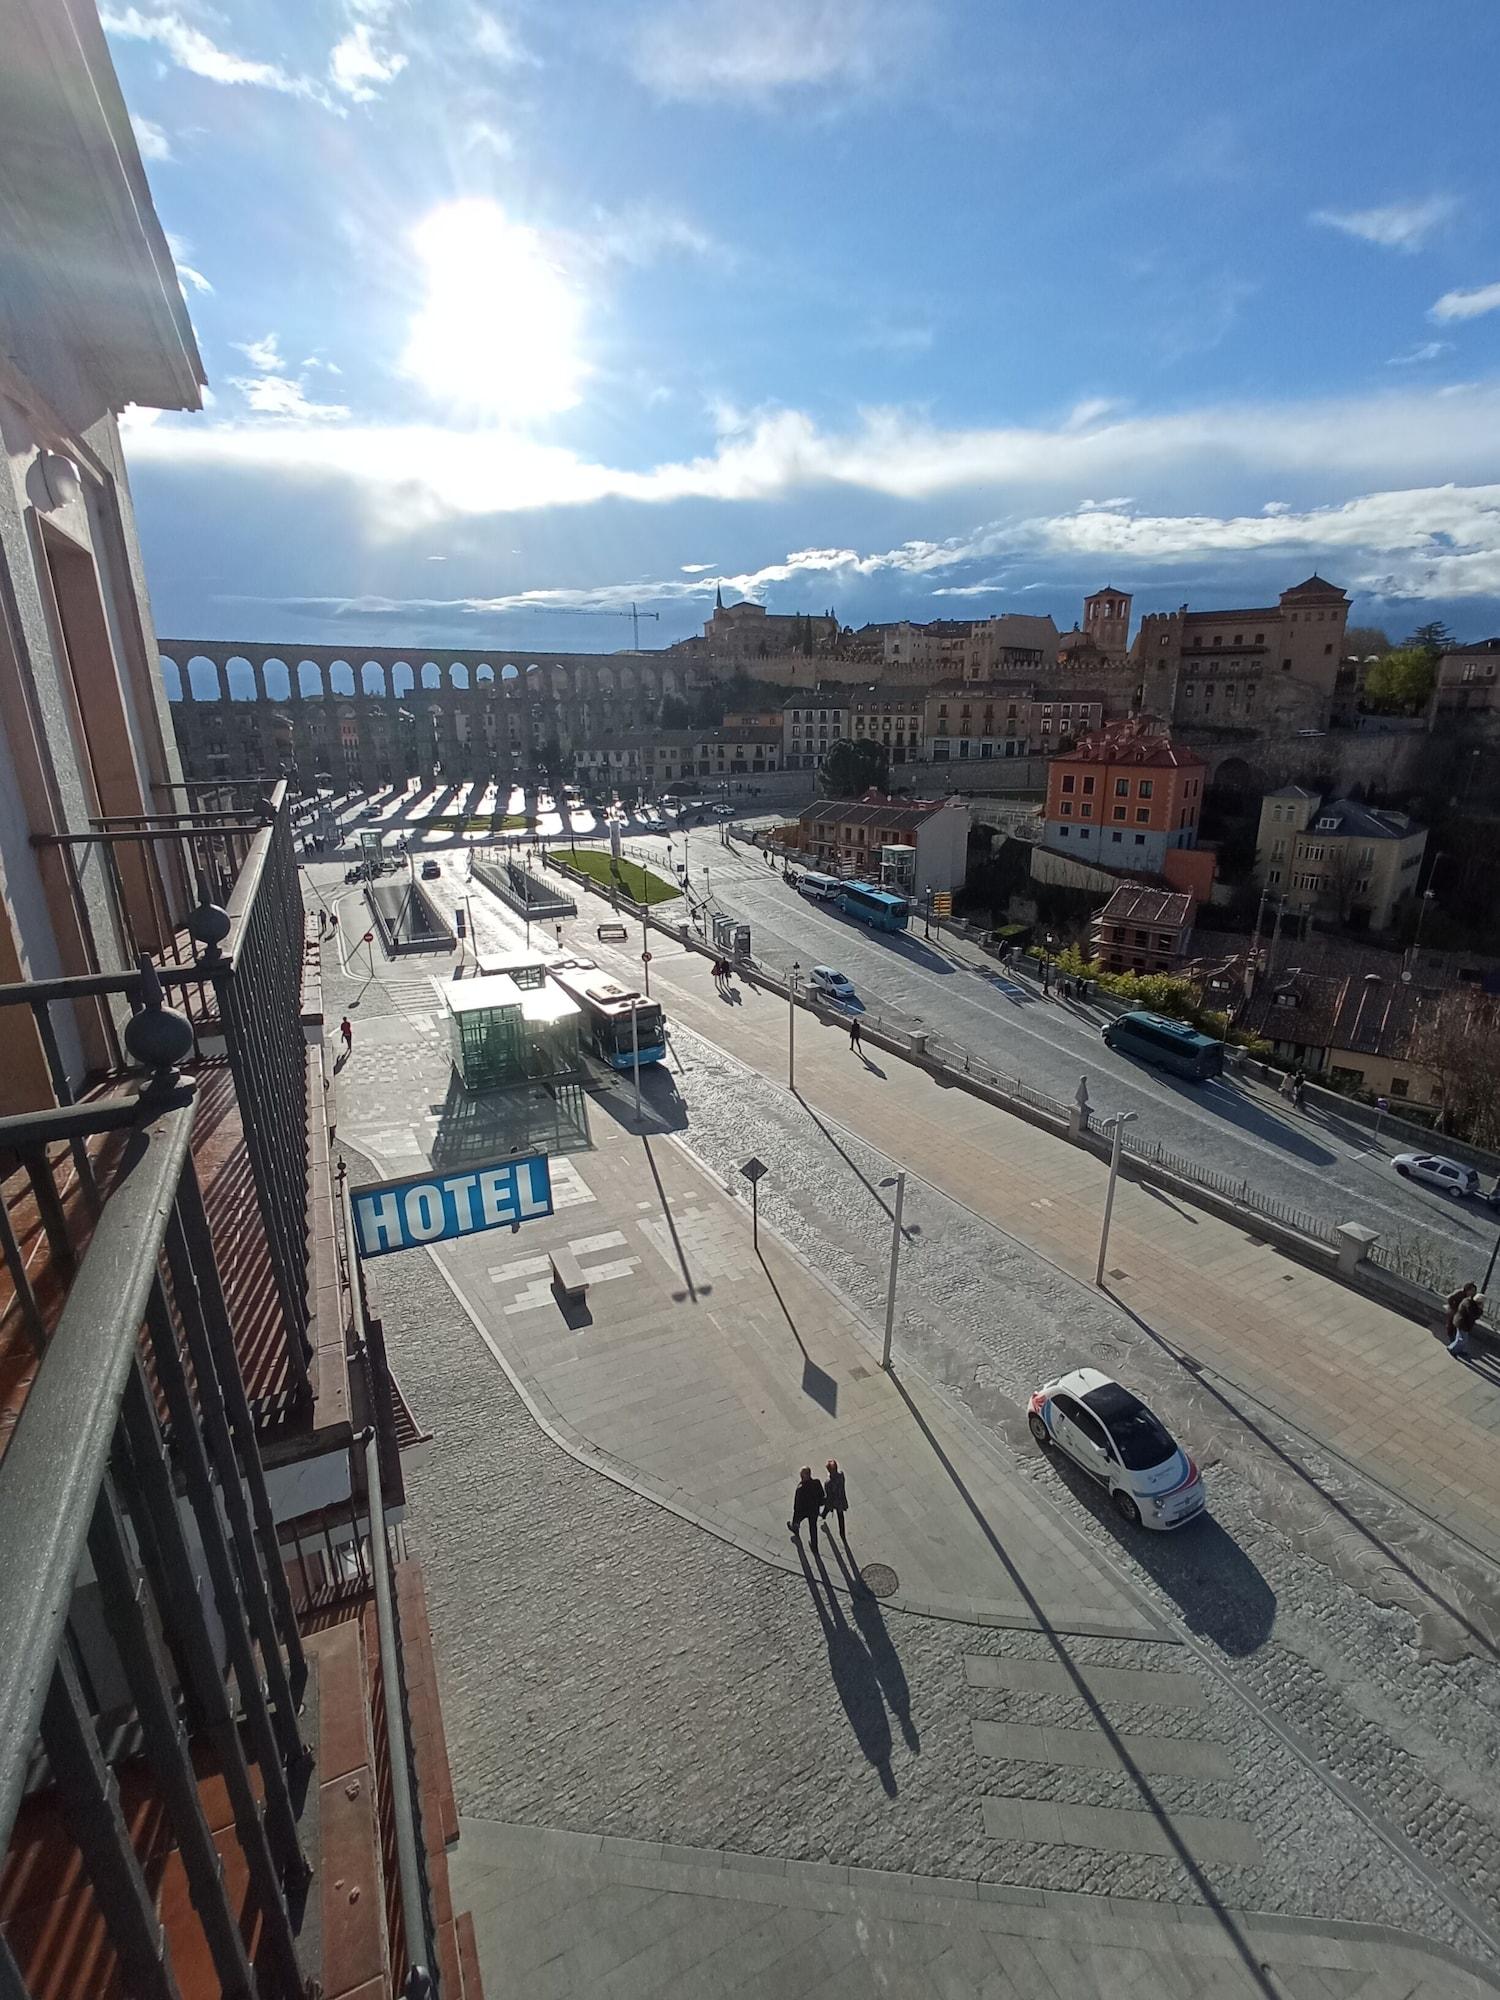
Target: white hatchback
{"x": 1434, "y": 1170}
{"x": 1152, "y": 1481}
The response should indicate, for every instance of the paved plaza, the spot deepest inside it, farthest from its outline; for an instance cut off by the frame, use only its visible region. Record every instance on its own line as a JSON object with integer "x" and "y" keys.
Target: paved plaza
{"x": 979, "y": 1693}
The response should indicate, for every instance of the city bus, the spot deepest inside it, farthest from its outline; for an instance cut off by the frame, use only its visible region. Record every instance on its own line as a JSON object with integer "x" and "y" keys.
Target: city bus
{"x": 607, "y": 1007}
{"x": 1173, "y": 1045}
{"x": 878, "y": 908}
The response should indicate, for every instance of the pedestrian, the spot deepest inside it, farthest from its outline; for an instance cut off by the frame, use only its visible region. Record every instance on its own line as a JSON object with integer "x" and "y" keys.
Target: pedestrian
{"x": 1298, "y": 1090}
{"x": 322, "y": 922}
{"x": 1464, "y": 1309}
{"x": 807, "y": 1505}
{"x": 346, "y": 1030}
{"x": 854, "y": 1035}
{"x": 836, "y": 1498}
{"x": 333, "y": 923}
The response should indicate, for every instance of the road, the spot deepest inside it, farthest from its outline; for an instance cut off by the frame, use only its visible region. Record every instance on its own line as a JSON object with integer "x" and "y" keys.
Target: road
{"x": 1324, "y": 1166}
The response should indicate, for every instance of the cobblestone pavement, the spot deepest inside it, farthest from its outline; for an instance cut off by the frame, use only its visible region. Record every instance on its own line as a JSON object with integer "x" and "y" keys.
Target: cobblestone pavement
{"x": 731, "y": 1707}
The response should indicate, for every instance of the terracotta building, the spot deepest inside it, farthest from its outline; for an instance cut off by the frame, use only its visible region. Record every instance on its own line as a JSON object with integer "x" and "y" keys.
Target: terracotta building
{"x": 1125, "y": 797}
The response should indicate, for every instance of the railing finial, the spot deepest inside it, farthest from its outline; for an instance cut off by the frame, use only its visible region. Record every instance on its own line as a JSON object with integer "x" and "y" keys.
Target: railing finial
{"x": 157, "y": 1036}
{"x": 208, "y": 923}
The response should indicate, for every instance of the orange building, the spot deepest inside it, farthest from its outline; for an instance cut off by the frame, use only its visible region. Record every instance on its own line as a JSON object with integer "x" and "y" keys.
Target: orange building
{"x": 1126, "y": 797}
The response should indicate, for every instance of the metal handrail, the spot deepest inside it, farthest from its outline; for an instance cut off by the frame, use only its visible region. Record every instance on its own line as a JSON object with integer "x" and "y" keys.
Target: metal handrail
{"x": 53, "y": 1468}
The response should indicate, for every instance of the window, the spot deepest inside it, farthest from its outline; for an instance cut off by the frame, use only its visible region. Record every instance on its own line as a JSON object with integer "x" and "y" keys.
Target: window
{"x": 1144, "y": 788}
{"x": 1116, "y": 838}
{"x": 1140, "y": 840}
{"x": 1085, "y": 811}
{"x": 1066, "y": 809}
{"x": 1164, "y": 940}
{"x": 1118, "y": 813}
{"x": 1400, "y": 1086}
{"x": 1090, "y": 1426}
{"x": 1067, "y": 783}
{"x": 1239, "y": 638}
{"x": 1329, "y": 647}
{"x": 1260, "y": 638}
{"x": 1088, "y": 784}
{"x": 1122, "y": 788}
{"x": 1286, "y": 665}
{"x": 1142, "y": 814}
{"x": 1218, "y": 638}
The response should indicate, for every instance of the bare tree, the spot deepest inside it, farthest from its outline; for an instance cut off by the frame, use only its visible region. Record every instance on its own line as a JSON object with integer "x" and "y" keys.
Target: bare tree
{"x": 1339, "y": 881}
{"x": 1459, "y": 1042}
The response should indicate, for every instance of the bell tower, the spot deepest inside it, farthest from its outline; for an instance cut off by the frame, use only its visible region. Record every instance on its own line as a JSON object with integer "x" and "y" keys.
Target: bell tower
{"x": 1106, "y": 619}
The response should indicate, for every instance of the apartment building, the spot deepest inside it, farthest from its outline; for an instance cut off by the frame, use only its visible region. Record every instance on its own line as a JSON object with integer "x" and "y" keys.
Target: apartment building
{"x": 940, "y": 647}
{"x": 1271, "y": 665}
{"x": 1358, "y": 1030}
{"x": 890, "y": 715}
{"x": 811, "y": 725}
{"x": 1468, "y": 682}
{"x": 223, "y": 1768}
{"x": 648, "y": 760}
{"x": 1125, "y": 797}
{"x": 1336, "y": 858}
{"x": 1142, "y": 930}
{"x": 1013, "y": 643}
{"x": 845, "y": 837}
{"x": 986, "y": 720}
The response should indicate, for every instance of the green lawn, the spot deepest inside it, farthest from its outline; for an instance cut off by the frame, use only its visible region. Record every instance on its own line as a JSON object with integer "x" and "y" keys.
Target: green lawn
{"x": 638, "y": 883}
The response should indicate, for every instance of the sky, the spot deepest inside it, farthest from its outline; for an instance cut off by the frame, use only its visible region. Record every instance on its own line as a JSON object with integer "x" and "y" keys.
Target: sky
{"x": 517, "y": 315}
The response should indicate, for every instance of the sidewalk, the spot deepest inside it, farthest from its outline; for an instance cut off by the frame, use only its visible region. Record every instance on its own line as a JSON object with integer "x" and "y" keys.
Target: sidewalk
{"x": 704, "y": 1372}
{"x": 1356, "y": 1377}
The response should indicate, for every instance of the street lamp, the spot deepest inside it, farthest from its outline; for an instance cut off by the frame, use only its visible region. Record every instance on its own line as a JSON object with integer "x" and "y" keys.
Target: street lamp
{"x": 791, "y": 1025}
{"x": 1117, "y": 1126}
{"x": 899, "y": 1184}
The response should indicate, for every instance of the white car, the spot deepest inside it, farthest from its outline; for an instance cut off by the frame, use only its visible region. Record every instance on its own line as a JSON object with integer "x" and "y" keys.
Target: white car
{"x": 833, "y": 986}
{"x": 1152, "y": 1482}
{"x": 1435, "y": 1171}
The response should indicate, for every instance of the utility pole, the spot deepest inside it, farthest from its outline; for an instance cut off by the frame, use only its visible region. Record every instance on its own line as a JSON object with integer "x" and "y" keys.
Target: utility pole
{"x": 890, "y": 1283}
{"x": 1117, "y": 1126}
{"x": 791, "y": 1026}
{"x": 1254, "y": 952}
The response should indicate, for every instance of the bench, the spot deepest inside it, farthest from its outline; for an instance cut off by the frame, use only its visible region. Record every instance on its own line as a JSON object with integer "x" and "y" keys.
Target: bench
{"x": 612, "y": 933}
{"x": 568, "y": 1280}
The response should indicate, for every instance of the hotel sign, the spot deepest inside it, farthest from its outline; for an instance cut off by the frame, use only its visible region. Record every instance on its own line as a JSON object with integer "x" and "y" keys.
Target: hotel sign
{"x": 435, "y": 1208}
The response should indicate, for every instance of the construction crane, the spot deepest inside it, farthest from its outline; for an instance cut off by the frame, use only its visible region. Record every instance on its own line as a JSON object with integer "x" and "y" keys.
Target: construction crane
{"x": 592, "y": 611}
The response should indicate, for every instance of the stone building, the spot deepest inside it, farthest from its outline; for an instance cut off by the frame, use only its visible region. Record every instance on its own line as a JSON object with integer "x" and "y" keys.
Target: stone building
{"x": 1266, "y": 668}
{"x": 811, "y": 726}
{"x": 747, "y": 631}
{"x": 1468, "y": 682}
{"x": 985, "y": 720}
{"x": 1337, "y": 858}
{"x": 1142, "y": 930}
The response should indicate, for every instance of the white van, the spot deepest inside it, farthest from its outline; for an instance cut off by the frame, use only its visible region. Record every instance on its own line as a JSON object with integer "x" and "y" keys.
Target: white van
{"x": 822, "y": 888}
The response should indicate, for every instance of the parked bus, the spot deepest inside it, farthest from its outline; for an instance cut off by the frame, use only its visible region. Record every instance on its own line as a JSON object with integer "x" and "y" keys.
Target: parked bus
{"x": 1173, "y": 1045}
{"x": 878, "y": 908}
{"x": 607, "y": 1008}
{"x": 821, "y": 888}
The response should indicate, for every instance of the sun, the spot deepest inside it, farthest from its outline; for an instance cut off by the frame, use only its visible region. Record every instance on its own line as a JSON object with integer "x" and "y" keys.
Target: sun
{"x": 500, "y": 329}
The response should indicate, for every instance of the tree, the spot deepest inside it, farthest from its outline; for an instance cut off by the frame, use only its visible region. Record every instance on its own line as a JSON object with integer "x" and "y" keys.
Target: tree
{"x": 1458, "y": 1040}
{"x": 675, "y": 713}
{"x": 1402, "y": 680}
{"x": 1433, "y": 638}
{"x": 1339, "y": 885}
{"x": 1365, "y": 642}
{"x": 851, "y": 768}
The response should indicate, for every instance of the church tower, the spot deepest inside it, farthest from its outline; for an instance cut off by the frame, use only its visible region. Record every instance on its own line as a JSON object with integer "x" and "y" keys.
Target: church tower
{"x": 1106, "y": 620}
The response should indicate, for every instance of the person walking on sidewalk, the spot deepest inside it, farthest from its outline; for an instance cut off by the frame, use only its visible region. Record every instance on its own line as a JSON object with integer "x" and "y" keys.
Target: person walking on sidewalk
{"x": 807, "y": 1505}
{"x": 1464, "y": 1309}
{"x": 836, "y": 1498}
{"x": 854, "y": 1035}
{"x": 346, "y": 1030}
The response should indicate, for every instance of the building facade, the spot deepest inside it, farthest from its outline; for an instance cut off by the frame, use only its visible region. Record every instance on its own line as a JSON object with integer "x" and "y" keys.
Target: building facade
{"x": 1335, "y": 858}
{"x": 747, "y": 631}
{"x": 1468, "y": 683}
{"x": 811, "y": 727}
{"x": 1142, "y": 930}
{"x": 1124, "y": 798}
{"x": 892, "y": 716}
{"x": 223, "y": 1769}
{"x": 1269, "y": 667}
{"x": 845, "y": 836}
{"x": 1106, "y": 622}
{"x": 650, "y": 760}
{"x": 985, "y": 720}
{"x": 1357, "y": 1030}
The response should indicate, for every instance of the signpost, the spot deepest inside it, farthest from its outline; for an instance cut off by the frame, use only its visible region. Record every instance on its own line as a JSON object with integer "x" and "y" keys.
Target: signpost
{"x": 435, "y": 1208}
{"x": 755, "y": 1172}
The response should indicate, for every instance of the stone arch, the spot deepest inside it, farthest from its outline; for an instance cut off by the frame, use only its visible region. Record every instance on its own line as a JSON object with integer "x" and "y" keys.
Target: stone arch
{"x": 484, "y": 675}
{"x": 458, "y": 676}
{"x": 171, "y": 678}
{"x": 432, "y": 674}
{"x": 241, "y": 682}
{"x": 276, "y": 679}
{"x": 203, "y": 678}
{"x": 398, "y": 685}
{"x": 510, "y": 675}
{"x": 372, "y": 678}
{"x": 1235, "y": 774}
{"x": 341, "y": 678}
{"x": 310, "y": 679}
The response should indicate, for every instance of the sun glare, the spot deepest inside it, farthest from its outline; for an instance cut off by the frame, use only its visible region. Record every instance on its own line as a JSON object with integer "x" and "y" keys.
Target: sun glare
{"x": 500, "y": 326}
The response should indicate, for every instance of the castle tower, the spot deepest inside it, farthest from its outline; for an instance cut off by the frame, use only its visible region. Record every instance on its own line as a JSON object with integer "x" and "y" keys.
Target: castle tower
{"x": 1106, "y": 620}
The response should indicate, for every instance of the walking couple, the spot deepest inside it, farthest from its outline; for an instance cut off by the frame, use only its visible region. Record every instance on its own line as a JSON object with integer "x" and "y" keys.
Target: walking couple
{"x": 815, "y": 1499}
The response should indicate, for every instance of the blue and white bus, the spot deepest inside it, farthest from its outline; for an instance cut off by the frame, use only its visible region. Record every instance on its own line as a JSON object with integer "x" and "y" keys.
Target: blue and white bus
{"x": 878, "y": 908}
{"x": 616, "y": 1017}
{"x": 1169, "y": 1044}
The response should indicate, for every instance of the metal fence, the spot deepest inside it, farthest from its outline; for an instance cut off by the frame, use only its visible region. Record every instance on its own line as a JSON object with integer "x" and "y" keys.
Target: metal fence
{"x": 89, "y": 1493}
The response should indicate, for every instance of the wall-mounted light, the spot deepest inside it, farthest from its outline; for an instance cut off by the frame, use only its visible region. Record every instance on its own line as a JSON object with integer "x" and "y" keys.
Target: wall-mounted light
{"x": 58, "y": 478}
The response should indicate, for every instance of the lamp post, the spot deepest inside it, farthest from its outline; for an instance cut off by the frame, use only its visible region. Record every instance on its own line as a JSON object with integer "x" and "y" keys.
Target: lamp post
{"x": 899, "y": 1183}
{"x": 1117, "y": 1126}
{"x": 635, "y": 1054}
{"x": 791, "y": 1025}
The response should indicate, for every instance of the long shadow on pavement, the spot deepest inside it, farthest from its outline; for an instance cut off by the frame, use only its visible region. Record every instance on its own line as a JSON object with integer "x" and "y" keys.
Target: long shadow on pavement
{"x": 853, "y": 1671}
{"x": 883, "y": 1655}
{"x": 1230, "y": 1102}
{"x": 1202, "y": 1887}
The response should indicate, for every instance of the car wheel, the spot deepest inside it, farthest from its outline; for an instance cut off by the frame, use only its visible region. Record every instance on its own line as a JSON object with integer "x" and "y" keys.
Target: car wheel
{"x": 1039, "y": 1430}
{"x": 1404, "y": 1172}
{"x": 1126, "y": 1508}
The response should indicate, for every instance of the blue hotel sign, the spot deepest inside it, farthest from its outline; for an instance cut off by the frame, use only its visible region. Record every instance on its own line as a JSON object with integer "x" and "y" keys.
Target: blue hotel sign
{"x": 402, "y": 1215}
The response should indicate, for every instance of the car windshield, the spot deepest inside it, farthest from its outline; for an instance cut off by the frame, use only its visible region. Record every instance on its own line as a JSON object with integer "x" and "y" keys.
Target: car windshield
{"x": 1140, "y": 1438}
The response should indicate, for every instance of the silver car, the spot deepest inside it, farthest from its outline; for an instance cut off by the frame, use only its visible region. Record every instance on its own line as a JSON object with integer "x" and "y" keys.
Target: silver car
{"x": 1435, "y": 1170}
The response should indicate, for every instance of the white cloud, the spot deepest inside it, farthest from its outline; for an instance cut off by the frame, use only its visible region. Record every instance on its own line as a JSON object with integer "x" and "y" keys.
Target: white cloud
{"x": 410, "y": 475}
{"x": 190, "y": 49}
{"x": 1401, "y": 225}
{"x": 493, "y": 36}
{"x": 264, "y": 355}
{"x": 694, "y": 569}
{"x": 1425, "y": 350}
{"x": 753, "y": 49}
{"x": 644, "y": 234}
{"x": 1467, "y": 305}
{"x": 481, "y": 135}
{"x": 356, "y": 65}
{"x": 187, "y": 276}
{"x": 150, "y": 137}
{"x": 280, "y": 396}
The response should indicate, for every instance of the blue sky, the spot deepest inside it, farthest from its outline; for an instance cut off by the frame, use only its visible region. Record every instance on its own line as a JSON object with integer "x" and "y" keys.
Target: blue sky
{"x": 911, "y": 307}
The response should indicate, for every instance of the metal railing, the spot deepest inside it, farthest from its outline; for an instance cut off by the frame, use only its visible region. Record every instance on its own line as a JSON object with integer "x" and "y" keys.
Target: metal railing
{"x": 137, "y": 1395}
{"x": 235, "y": 967}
